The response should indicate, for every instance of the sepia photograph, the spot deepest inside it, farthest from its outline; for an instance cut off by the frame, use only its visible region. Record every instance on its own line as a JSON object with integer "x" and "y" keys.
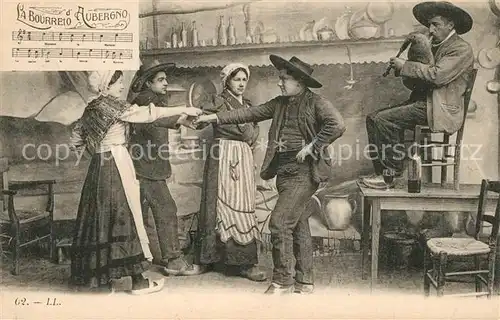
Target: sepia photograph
{"x": 250, "y": 159}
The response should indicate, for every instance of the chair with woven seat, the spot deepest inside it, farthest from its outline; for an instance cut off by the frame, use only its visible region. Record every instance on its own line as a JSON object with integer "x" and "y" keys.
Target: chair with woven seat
{"x": 438, "y": 250}
{"x": 420, "y": 137}
{"x": 28, "y": 226}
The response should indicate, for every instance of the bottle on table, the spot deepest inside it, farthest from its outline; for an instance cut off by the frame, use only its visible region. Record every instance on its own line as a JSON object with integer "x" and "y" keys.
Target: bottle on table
{"x": 415, "y": 173}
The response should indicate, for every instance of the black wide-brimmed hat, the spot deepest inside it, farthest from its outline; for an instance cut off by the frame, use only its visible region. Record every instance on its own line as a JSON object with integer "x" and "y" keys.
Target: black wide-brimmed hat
{"x": 297, "y": 67}
{"x": 146, "y": 71}
{"x": 425, "y": 11}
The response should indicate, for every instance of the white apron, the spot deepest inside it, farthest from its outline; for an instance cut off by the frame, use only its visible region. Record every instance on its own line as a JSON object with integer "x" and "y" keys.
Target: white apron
{"x": 115, "y": 142}
{"x": 236, "y": 217}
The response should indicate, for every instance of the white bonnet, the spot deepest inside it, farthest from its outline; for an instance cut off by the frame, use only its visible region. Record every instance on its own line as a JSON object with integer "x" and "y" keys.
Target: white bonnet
{"x": 224, "y": 74}
{"x": 99, "y": 80}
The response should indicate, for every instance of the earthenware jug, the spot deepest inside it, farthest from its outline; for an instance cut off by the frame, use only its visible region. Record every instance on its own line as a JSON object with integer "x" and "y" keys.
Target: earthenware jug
{"x": 336, "y": 210}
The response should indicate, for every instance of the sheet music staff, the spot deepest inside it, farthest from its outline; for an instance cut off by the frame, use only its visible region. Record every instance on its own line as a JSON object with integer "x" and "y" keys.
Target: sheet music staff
{"x": 23, "y": 35}
{"x": 65, "y": 53}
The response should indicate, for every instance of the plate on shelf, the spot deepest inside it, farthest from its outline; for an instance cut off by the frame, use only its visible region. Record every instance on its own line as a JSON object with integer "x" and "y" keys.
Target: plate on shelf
{"x": 495, "y": 7}
{"x": 380, "y": 12}
{"x": 201, "y": 92}
{"x": 342, "y": 26}
{"x": 361, "y": 27}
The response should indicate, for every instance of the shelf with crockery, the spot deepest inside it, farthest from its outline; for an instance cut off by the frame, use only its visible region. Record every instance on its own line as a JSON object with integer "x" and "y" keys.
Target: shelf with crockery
{"x": 272, "y": 45}
{"x": 316, "y": 52}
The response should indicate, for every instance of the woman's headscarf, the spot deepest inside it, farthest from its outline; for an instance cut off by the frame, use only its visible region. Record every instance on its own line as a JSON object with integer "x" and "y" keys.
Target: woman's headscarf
{"x": 226, "y": 72}
{"x": 99, "y": 80}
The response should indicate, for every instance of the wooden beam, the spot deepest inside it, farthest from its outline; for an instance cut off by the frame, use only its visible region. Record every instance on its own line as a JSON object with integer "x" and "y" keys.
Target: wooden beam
{"x": 177, "y": 8}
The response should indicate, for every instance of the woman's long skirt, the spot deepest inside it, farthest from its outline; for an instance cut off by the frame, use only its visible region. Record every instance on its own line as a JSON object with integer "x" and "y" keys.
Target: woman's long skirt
{"x": 106, "y": 244}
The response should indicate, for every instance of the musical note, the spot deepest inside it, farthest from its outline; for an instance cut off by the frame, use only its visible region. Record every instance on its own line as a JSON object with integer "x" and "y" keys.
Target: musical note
{"x": 20, "y": 36}
{"x": 83, "y": 37}
{"x": 100, "y": 38}
{"x": 121, "y": 55}
{"x": 107, "y": 54}
{"x": 36, "y": 54}
{"x": 78, "y": 54}
{"x": 61, "y": 52}
{"x": 43, "y": 36}
{"x": 71, "y": 38}
{"x": 47, "y": 53}
{"x": 60, "y": 36}
{"x": 114, "y": 55}
{"x": 29, "y": 53}
{"x": 29, "y": 36}
{"x": 116, "y": 36}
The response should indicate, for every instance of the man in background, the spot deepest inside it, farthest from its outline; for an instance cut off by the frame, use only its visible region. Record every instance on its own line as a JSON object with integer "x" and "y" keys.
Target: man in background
{"x": 149, "y": 143}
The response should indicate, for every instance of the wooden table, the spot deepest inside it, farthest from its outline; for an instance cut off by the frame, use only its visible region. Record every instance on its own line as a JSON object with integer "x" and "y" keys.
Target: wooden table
{"x": 431, "y": 198}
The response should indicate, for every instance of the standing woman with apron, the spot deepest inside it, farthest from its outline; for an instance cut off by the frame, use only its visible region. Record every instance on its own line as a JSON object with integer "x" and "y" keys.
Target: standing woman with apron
{"x": 110, "y": 240}
{"x": 227, "y": 229}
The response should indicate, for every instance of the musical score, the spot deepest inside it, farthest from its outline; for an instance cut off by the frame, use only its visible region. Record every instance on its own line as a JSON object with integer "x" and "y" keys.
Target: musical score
{"x": 23, "y": 35}
{"x": 68, "y": 36}
{"x": 68, "y": 53}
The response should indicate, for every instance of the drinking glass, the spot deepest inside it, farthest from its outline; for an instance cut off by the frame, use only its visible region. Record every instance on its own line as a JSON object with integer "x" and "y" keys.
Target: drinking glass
{"x": 388, "y": 175}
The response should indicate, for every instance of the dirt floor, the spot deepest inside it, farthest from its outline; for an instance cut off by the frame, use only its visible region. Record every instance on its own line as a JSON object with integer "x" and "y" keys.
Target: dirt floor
{"x": 340, "y": 293}
{"x": 338, "y": 271}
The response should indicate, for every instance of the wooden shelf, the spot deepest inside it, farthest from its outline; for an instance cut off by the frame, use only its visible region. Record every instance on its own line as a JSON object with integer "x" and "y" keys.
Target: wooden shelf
{"x": 314, "y": 52}
{"x": 270, "y": 46}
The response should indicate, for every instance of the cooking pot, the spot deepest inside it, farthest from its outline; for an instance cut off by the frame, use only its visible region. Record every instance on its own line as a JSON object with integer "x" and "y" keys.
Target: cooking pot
{"x": 326, "y": 34}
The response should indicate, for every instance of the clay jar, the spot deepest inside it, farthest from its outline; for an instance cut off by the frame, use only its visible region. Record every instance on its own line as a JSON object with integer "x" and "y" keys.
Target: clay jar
{"x": 336, "y": 210}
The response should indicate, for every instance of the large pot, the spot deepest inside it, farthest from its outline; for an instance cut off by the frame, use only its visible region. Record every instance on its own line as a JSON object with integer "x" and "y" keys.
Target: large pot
{"x": 336, "y": 210}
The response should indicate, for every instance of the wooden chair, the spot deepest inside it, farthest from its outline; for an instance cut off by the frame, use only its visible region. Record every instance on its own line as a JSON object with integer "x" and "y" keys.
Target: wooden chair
{"x": 422, "y": 132}
{"x": 25, "y": 227}
{"x": 439, "y": 249}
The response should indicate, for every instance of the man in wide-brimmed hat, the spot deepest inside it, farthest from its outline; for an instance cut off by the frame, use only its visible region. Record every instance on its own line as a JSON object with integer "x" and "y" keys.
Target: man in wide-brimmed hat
{"x": 149, "y": 149}
{"x": 304, "y": 125}
{"x": 440, "y": 103}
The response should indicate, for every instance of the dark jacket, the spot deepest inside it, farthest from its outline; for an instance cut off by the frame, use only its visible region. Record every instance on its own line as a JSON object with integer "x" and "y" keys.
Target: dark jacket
{"x": 319, "y": 121}
{"x": 248, "y": 132}
{"x": 454, "y": 59}
{"x": 153, "y": 164}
